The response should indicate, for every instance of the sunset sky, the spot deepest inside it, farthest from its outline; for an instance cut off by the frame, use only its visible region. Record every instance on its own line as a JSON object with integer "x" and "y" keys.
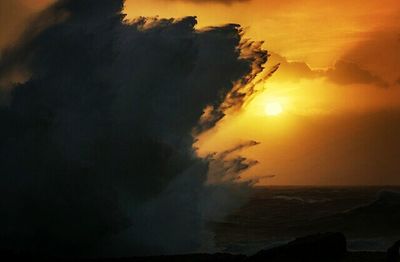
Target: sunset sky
{"x": 133, "y": 128}
{"x": 338, "y": 85}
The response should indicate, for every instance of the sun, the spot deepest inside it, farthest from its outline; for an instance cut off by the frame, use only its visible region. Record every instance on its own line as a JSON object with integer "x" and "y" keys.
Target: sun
{"x": 273, "y": 108}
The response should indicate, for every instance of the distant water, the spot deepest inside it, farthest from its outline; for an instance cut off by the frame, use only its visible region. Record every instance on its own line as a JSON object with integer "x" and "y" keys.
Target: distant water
{"x": 368, "y": 216}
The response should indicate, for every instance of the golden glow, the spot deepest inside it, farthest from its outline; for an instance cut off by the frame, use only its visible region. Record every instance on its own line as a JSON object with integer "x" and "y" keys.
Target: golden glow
{"x": 309, "y": 127}
{"x": 308, "y": 30}
{"x": 273, "y": 108}
{"x": 315, "y": 108}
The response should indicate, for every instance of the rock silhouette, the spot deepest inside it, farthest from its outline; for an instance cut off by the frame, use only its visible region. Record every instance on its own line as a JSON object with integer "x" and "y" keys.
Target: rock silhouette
{"x": 393, "y": 252}
{"x": 318, "y": 247}
{"x": 323, "y": 247}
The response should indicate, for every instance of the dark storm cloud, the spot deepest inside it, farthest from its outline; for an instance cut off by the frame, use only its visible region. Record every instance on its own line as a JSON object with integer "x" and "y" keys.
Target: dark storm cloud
{"x": 342, "y": 73}
{"x": 345, "y": 73}
{"x": 292, "y": 71}
{"x": 14, "y": 58}
{"x": 96, "y": 150}
{"x": 379, "y": 53}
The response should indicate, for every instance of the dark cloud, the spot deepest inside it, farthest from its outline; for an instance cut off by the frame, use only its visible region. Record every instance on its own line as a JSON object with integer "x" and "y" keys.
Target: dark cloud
{"x": 379, "y": 53}
{"x": 96, "y": 152}
{"x": 14, "y": 57}
{"x": 345, "y": 73}
{"x": 342, "y": 73}
{"x": 291, "y": 71}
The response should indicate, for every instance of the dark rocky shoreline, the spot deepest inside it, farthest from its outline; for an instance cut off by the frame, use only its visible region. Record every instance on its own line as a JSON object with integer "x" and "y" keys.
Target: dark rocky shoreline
{"x": 330, "y": 247}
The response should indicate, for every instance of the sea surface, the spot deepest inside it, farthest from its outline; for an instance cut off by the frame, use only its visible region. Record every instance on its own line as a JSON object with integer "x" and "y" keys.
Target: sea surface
{"x": 368, "y": 216}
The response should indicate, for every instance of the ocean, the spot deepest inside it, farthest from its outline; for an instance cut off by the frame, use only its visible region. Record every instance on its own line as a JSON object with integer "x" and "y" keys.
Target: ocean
{"x": 368, "y": 216}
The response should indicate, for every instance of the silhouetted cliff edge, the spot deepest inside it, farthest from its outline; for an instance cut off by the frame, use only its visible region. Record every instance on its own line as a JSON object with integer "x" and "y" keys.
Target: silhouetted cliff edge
{"x": 329, "y": 247}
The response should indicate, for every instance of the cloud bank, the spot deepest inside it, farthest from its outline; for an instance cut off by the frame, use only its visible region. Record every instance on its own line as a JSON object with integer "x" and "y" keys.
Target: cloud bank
{"x": 343, "y": 72}
{"x": 346, "y": 73}
{"x": 96, "y": 152}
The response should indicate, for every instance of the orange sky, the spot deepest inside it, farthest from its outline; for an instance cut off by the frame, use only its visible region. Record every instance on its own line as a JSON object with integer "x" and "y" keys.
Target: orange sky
{"x": 338, "y": 126}
{"x": 338, "y": 84}
{"x": 314, "y": 31}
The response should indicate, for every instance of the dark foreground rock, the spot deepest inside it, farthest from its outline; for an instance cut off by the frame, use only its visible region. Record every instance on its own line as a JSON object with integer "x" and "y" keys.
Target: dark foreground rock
{"x": 326, "y": 247}
{"x": 319, "y": 247}
{"x": 392, "y": 253}
{"x": 218, "y": 257}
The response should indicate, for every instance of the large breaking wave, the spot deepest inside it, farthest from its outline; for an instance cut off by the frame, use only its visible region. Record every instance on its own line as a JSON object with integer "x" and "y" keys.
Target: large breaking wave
{"x": 96, "y": 141}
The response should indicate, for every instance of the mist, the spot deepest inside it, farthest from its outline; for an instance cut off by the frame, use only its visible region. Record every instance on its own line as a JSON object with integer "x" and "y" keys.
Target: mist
{"x": 96, "y": 152}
